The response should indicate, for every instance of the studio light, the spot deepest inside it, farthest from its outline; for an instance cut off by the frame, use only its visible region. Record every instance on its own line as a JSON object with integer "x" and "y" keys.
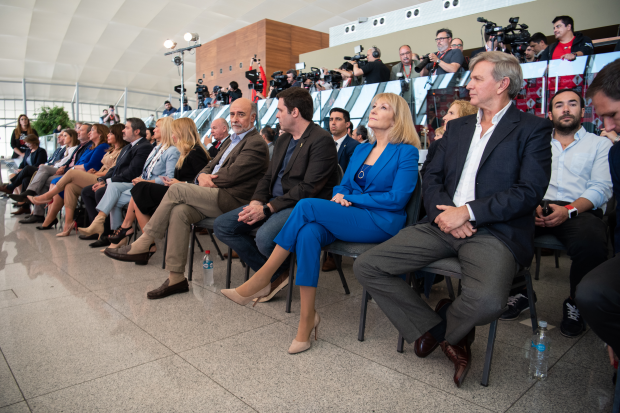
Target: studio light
{"x": 177, "y": 60}
{"x": 191, "y": 37}
{"x": 169, "y": 44}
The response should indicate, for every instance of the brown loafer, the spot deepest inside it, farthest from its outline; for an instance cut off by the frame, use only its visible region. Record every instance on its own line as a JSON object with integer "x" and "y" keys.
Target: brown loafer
{"x": 120, "y": 254}
{"x": 426, "y": 344}
{"x": 24, "y": 209}
{"x": 278, "y": 284}
{"x": 165, "y": 290}
{"x": 329, "y": 264}
{"x": 460, "y": 355}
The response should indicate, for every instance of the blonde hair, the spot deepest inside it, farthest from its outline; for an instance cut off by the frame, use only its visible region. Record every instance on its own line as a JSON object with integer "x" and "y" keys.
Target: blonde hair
{"x": 403, "y": 130}
{"x": 187, "y": 138}
{"x": 465, "y": 108}
{"x": 440, "y": 131}
{"x": 165, "y": 130}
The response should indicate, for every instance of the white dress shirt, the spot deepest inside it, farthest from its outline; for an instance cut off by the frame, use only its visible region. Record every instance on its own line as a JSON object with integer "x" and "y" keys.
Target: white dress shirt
{"x": 581, "y": 170}
{"x": 339, "y": 142}
{"x": 466, "y": 189}
{"x": 234, "y": 141}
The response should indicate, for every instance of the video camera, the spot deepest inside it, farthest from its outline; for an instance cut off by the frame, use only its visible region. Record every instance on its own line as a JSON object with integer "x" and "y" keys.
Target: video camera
{"x": 314, "y": 75}
{"x": 279, "y": 81}
{"x": 255, "y": 81}
{"x": 201, "y": 91}
{"x": 517, "y": 37}
{"x": 335, "y": 78}
{"x": 359, "y": 57}
{"x": 220, "y": 95}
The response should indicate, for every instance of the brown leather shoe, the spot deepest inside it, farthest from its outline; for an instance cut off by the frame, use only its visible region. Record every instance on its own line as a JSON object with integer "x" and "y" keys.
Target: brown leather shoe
{"x": 24, "y": 209}
{"x": 120, "y": 254}
{"x": 277, "y": 285}
{"x": 460, "y": 355}
{"x": 329, "y": 264}
{"x": 234, "y": 255}
{"x": 426, "y": 343}
{"x": 165, "y": 290}
{"x": 5, "y": 189}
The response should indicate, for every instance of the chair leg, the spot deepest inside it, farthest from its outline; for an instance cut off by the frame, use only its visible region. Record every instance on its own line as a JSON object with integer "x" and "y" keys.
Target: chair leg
{"x": 136, "y": 226}
{"x": 616, "y": 408}
{"x": 450, "y": 287}
{"x": 217, "y": 247}
{"x": 363, "y": 311}
{"x": 400, "y": 347}
{"x": 557, "y": 258}
{"x": 489, "y": 355}
{"x": 192, "y": 241}
{"x": 291, "y": 279}
{"x": 163, "y": 263}
{"x": 530, "y": 297}
{"x": 247, "y": 273}
{"x": 338, "y": 261}
{"x": 538, "y": 254}
{"x": 228, "y": 267}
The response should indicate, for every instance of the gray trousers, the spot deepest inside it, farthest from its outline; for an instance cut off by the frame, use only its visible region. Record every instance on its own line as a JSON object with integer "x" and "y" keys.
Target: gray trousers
{"x": 40, "y": 183}
{"x": 487, "y": 266}
{"x": 183, "y": 205}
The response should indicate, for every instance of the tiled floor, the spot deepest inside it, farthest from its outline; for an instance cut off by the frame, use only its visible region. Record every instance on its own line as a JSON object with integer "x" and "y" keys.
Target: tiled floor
{"x": 77, "y": 334}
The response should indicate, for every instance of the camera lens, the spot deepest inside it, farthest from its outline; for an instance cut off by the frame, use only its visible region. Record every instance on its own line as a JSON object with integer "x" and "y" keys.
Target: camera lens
{"x": 409, "y": 14}
{"x": 416, "y": 12}
{"x": 382, "y": 20}
{"x": 446, "y": 5}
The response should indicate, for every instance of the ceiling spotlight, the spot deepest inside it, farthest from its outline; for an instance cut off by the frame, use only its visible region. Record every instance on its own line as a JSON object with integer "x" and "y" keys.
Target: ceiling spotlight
{"x": 191, "y": 37}
{"x": 177, "y": 60}
{"x": 169, "y": 44}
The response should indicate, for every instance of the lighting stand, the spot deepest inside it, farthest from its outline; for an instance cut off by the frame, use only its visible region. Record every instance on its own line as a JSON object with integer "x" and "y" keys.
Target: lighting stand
{"x": 181, "y": 52}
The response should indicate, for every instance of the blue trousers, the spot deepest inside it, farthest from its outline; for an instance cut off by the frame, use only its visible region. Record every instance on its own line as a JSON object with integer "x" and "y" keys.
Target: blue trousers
{"x": 315, "y": 223}
{"x": 253, "y": 251}
{"x": 117, "y": 195}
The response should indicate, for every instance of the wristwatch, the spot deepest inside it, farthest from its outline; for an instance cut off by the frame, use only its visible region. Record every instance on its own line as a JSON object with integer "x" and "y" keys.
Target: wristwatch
{"x": 266, "y": 211}
{"x": 572, "y": 211}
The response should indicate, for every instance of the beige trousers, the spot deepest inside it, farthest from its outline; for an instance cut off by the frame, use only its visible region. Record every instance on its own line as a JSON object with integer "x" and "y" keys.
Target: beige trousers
{"x": 72, "y": 183}
{"x": 183, "y": 205}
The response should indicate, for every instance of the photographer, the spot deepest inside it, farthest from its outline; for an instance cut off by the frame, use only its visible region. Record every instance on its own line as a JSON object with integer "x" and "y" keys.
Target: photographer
{"x": 538, "y": 43}
{"x": 375, "y": 71}
{"x": 491, "y": 45}
{"x": 234, "y": 92}
{"x": 446, "y": 60}
{"x": 346, "y": 71}
{"x": 406, "y": 65}
{"x": 570, "y": 44}
{"x": 169, "y": 109}
{"x": 110, "y": 118}
{"x": 290, "y": 78}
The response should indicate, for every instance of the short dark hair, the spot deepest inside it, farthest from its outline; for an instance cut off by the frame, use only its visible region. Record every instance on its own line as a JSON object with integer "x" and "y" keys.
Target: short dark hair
{"x": 234, "y": 85}
{"x": 168, "y": 102}
{"x": 291, "y": 71}
{"x": 105, "y": 110}
{"x": 448, "y": 32}
{"x": 111, "y": 106}
{"x": 362, "y": 131}
{"x": 345, "y": 113}
{"x": 566, "y": 20}
{"x": 268, "y": 133}
{"x": 582, "y": 103}
{"x": 607, "y": 82}
{"x": 137, "y": 123}
{"x": 458, "y": 38}
{"x": 432, "y": 110}
{"x": 538, "y": 37}
{"x": 152, "y": 130}
{"x": 298, "y": 97}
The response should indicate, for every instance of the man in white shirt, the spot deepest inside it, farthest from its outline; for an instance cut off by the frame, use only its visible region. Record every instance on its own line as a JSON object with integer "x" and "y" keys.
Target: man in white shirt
{"x": 480, "y": 190}
{"x": 578, "y": 192}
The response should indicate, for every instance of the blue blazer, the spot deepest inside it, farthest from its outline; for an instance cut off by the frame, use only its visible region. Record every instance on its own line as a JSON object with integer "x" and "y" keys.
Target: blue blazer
{"x": 347, "y": 147}
{"x": 389, "y": 184}
{"x": 165, "y": 165}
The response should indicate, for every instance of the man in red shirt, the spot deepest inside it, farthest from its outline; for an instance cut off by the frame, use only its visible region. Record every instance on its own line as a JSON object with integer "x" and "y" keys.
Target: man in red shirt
{"x": 570, "y": 44}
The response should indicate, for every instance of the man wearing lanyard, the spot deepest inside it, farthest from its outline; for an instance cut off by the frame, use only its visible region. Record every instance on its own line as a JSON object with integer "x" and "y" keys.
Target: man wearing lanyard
{"x": 446, "y": 60}
{"x": 406, "y": 64}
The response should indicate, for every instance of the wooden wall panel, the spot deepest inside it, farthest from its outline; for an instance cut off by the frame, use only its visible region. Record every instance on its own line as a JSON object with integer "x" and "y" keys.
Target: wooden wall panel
{"x": 277, "y": 44}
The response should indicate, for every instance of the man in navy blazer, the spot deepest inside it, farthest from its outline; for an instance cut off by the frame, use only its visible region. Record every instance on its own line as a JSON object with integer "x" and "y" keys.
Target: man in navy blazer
{"x": 128, "y": 166}
{"x": 490, "y": 172}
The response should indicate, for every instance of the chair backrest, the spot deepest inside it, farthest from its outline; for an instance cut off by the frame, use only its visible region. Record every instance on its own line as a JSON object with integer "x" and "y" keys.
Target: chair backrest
{"x": 340, "y": 173}
{"x": 414, "y": 204}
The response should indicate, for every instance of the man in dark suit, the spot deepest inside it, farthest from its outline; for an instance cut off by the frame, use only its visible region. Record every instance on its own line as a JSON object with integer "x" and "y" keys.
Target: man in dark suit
{"x": 219, "y": 132}
{"x": 226, "y": 183}
{"x": 128, "y": 166}
{"x": 303, "y": 166}
{"x": 489, "y": 174}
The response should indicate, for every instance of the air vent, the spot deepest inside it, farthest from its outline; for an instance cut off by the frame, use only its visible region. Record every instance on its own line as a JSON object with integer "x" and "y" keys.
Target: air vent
{"x": 379, "y": 21}
{"x": 451, "y": 4}
{"x": 411, "y": 14}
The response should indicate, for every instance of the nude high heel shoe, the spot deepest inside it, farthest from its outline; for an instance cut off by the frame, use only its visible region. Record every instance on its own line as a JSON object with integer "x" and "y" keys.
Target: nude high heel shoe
{"x": 241, "y": 300}
{"x": 97, "y": 227}
{"x": 121, "y": 243}
{"x": 300, "y": 346}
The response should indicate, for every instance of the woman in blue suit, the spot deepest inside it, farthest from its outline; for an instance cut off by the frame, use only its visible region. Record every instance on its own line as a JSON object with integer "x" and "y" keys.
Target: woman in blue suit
{"x": 368, "y": 206}
{"x": 160, "y": 163}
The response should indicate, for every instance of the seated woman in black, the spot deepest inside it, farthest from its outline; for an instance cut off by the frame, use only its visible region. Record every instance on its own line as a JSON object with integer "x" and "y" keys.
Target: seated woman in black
{"x": 146, "y": 196}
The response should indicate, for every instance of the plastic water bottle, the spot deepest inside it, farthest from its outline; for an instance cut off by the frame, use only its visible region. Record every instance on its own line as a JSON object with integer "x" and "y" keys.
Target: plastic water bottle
{"x": 207, "y": 270}
{"x": 539, "y": 353}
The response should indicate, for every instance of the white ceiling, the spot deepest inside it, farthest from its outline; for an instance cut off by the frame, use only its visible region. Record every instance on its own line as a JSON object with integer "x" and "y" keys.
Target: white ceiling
{"x": 119, "y": 43}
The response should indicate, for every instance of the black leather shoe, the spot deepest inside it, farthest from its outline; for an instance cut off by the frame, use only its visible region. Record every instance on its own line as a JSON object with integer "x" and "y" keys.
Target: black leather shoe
{"x": 32, "y": 219}
{"x": 89, "y": 237}
{"x": 121, "y": 254}
{"x": 23, "y": 196}
{"x": 101, "y": 242}
{"x": 164, "y": 290}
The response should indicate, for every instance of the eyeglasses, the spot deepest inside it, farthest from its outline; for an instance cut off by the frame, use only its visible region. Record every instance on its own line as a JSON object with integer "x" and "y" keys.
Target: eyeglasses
{"x": 456, "y": 45}
{"x": 441, "y": 38}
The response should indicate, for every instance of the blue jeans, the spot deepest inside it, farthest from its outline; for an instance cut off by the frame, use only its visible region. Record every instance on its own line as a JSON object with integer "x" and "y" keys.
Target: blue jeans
{"x": 253, "y": 251}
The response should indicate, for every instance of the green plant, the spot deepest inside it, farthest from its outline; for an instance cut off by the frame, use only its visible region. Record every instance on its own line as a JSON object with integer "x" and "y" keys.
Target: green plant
{"x": 49, "y": 118}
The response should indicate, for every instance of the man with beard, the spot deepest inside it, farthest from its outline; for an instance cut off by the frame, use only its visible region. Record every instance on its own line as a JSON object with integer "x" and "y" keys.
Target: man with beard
{"x": 578, "y": 192}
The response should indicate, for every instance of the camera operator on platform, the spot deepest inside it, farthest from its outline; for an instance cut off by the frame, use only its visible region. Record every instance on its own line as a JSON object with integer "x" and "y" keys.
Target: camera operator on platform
{"x": 233, "y": 91}
{"x": 491, "y": 45}
{"x": 570, "y": 44}
{"x": 446, "y": 60}
{"x": 346, "y": 70}
{"x": 538, "y": 43}
{"x": 375, "y": 71}
{"x": 406, "y": 65}
{"x": 290, "y": 78}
